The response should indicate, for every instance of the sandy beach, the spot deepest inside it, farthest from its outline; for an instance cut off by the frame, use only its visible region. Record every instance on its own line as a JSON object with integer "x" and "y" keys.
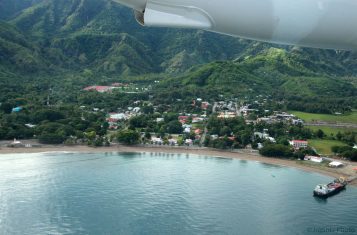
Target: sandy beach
{"x": 346, "y": 171}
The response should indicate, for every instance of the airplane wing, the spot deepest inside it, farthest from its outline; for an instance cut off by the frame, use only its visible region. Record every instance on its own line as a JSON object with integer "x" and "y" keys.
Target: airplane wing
{"x": 330, "y": 24}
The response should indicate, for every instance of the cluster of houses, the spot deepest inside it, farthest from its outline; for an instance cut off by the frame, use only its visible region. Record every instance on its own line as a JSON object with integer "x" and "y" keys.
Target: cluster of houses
{"x": 170, "y": 142}
{"x": 264, "y": 136}
{"x": 296, "y": 144}
{"x": 225, "y": 109}
{"x": 246, "y": 111}
{"x": 281, "y": 117}
{"x": 114, "y": 119}
{"x": 200, "y": 103}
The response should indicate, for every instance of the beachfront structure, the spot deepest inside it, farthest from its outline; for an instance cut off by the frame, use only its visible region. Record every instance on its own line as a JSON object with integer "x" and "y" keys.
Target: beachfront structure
{"x": 156, "y": 140}
{"x": 298, "y": 144}
{"x": 313, "y": 159}
{"x": 335, "y": 164}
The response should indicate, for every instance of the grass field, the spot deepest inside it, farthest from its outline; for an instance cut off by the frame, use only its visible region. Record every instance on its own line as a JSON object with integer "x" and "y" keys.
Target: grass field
{"x": 309, "y": 117}
{"x": 331, "y": 130}
{"x": 324, "y": 146}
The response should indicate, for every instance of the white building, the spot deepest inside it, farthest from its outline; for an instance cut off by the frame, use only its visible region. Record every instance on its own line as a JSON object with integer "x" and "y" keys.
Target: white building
{"x": 298, "y": 144}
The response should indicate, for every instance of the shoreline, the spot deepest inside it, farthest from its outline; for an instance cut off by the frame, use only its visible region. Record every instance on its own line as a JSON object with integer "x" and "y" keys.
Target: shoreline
{"x": 310, "y": 167}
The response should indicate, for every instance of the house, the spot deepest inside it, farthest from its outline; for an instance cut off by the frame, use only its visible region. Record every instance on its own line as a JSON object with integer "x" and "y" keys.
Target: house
{"x": 136, "y": 109}
{"x": 297, "y": 121}
{"x": 198, "y": 131}
{"x": 298, "y": 144}
{"x": 172, "y": 142}
{"x": 16, "y": 144}
{"x": 335, "y": 164}
{"x": 29, "y": 125}
{"x": 183, "y": 119}
{"x": 313, "y": 159}
{"x": 187, "y": 130}
{"x": 204, "y": 105}
{"x": 156, "y": 140}
{"x": 16, "y": 109}
{"x": 261, "y": 135}
{"x": 159, "y": 120}
{"x": 118, "y": 116}
{"x": 197, "y": 120}
{"x": 226, "y": 115}
{"x": 271, "y": 139}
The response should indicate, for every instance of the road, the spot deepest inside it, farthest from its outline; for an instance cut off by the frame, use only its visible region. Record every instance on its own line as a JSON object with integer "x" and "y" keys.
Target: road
{"x": 336, "y": 125}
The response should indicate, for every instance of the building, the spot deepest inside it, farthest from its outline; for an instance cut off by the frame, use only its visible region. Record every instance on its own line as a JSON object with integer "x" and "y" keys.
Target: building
{"x": 335, "y": 164}
{"x": 313, "y": 159}
{"x": 156, "y": 140}
{"x": 16, "y": 109}
{"x": 198, "y": 131}
{"x": 298, "y": 144}
{"x": 197, "y": 120}
{"x": 172, "y": 142}
{"x": 205, "y": 105}
{"x": 100, "y": 89}
{"x": 183, "y": 119}
{"x": 160, "y": 120}
{"x": 226, "y": 115}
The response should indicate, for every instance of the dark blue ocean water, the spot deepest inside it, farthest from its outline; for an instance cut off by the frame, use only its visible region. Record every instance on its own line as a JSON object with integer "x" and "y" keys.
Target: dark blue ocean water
{"x": 116, "y": 193}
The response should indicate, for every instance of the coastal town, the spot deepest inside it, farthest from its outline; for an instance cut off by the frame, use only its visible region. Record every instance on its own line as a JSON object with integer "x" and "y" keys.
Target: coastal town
{"x": 252, "y": 125}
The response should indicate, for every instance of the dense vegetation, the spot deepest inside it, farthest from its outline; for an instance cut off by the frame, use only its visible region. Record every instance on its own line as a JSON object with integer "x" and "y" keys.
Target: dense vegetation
{"x": 51, "y": 49}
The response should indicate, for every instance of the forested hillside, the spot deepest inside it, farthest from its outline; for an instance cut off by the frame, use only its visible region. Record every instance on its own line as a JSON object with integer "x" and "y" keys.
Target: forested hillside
{"x": 74, "y": 43}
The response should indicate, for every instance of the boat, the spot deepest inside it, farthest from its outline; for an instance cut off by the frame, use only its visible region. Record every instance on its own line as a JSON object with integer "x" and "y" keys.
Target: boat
{"x": 327, "y": 190}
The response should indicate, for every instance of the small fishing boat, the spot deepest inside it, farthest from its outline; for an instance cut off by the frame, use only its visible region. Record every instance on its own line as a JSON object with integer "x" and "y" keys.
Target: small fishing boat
{"x": 327, "y": 190}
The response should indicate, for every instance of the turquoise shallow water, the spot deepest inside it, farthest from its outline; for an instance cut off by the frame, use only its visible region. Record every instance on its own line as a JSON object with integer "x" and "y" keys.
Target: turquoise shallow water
{"x": 116, "y": 193}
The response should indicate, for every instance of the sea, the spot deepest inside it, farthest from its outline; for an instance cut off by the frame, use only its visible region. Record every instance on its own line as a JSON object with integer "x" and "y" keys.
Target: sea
{"x": 164, "y": 193}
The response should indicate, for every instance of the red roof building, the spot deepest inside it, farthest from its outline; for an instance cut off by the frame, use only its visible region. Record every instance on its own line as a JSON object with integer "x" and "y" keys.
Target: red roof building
{"x": 183, "y": 119}
{"x": 101, "y": 89}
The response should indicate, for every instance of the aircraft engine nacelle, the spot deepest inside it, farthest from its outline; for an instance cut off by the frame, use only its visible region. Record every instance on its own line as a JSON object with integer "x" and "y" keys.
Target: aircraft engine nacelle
{"x": 313, "y": 23}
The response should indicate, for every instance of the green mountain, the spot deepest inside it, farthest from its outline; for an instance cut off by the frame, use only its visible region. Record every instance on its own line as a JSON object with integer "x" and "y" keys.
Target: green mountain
{"x": 103, "y": 36}
{"x": 271, "y": 72}
{"x": 274, "y": 73}
{"x": 16, "y": 49}
{"x": 11, "y": 8}
{"x": 60, "y": 38}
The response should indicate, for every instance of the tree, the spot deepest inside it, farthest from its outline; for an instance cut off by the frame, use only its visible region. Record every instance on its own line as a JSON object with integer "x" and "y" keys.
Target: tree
{"x": 138, "y": 121}
{"x": 174, "y": 127}
{"x": 339, "y": 136}
{"x": 147, "y": 135}
{"x": 129, "y": 137}
{"x": 51, "y": 138}
{"x": 320, "y": 134}
{"x": 276, "y": 150}
{"x": 6, "y": 107}
{"x": 148, "y": 109}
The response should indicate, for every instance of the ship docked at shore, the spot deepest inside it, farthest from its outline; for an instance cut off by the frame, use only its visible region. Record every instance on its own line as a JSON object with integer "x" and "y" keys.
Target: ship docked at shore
{"x": 327, "y": 190}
